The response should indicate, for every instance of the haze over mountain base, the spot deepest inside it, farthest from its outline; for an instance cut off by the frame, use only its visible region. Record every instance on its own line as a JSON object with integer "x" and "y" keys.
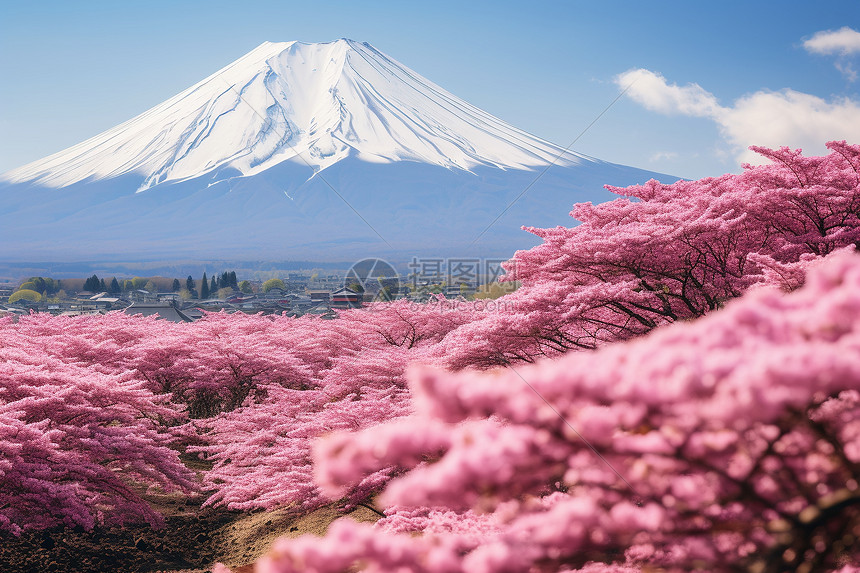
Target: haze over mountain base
{"x": 417, "y": 209}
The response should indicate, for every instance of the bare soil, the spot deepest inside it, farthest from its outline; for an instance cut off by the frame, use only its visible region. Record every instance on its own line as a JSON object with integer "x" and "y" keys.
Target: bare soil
{"x": 192, "y": 541}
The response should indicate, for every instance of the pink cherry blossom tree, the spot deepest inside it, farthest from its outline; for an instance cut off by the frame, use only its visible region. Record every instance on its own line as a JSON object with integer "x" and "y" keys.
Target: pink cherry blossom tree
{"x": 665, "y": 253}
{"x": 729, "y": 443}
{"x": 261, "y": 451}
{"x": 77, "y": 446}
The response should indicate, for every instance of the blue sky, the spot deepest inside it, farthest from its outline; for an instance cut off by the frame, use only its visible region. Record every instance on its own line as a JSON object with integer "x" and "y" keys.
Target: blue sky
{"x": 710, "y": 79}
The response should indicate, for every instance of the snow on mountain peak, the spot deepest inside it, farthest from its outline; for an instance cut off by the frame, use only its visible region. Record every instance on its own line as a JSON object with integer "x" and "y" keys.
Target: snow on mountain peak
{"x": 313, "y": 103}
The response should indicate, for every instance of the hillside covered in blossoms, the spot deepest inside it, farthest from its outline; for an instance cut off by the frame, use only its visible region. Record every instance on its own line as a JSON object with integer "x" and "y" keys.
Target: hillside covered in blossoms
{"x": 674, "y": 386}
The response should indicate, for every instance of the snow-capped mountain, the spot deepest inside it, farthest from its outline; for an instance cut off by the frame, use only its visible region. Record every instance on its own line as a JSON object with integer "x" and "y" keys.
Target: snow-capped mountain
{"x": 298, "y": 150}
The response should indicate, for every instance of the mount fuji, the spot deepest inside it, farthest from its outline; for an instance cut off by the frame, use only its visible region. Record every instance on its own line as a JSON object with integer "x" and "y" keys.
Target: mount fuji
{"x": 304, "y": 151}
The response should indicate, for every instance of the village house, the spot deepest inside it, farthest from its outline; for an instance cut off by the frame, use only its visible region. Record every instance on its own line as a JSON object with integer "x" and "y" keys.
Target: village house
{"x": 345, "y": 297}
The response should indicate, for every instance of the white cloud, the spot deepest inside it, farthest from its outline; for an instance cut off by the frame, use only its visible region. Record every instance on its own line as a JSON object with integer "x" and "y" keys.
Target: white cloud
{"x": 844, "y": 41}
{"x": 772, "y": 119}
{"x": 663, "y": 155}
{"x": 790, "y": 118}
{"x": 652, "y": 91}
{"x": 847, "y": 70}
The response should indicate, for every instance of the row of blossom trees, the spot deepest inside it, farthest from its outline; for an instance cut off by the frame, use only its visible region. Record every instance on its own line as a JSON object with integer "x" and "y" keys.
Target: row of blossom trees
{"x": 249, "y": 393}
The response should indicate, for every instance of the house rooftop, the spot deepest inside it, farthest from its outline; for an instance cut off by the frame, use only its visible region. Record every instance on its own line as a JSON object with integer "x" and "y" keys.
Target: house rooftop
{"x": 164, "y": 311}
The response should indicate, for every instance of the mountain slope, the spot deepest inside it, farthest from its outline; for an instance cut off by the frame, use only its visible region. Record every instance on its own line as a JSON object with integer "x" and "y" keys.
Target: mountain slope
{"x": 298, "y": 150}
